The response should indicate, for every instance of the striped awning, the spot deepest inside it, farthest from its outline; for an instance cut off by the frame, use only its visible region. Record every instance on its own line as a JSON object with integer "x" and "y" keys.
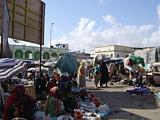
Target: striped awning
{"x": 8, "y": 67}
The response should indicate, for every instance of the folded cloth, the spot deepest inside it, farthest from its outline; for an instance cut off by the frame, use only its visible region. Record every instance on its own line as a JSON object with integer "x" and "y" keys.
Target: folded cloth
{"x": 139, "y": 90}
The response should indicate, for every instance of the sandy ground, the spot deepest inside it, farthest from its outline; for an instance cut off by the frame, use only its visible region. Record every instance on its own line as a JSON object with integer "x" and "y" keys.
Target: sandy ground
{"x": 124, "y": 106}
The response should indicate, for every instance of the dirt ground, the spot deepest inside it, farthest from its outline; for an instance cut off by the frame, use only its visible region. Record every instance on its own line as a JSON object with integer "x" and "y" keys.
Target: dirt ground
{"x": 124, "y": 106}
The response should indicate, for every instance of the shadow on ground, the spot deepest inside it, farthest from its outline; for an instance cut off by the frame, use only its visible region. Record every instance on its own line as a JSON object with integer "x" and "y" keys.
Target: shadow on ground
{"x": 121, "y": 102}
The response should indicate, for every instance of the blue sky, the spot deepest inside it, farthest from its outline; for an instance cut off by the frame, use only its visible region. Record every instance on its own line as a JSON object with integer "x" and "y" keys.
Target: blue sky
{"x": 86, "y": 24}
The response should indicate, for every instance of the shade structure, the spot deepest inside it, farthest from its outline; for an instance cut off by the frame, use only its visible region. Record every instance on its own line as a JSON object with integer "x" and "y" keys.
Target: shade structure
{"x": 137, "y": 60}
{"x": 9, "y": 67}
{"x": 114, "y": 60}
{"x": 67, "y": 64}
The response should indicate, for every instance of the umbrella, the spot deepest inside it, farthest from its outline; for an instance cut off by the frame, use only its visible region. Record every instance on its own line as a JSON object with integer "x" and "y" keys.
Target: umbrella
{"x": 67, "y": 64}
{"x": 137, "y": 60}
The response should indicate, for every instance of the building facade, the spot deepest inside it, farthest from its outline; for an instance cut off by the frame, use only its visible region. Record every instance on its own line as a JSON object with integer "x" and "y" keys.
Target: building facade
{"x": 150, "y": 55}
{"x": 33, "y": 53}
{"x": 113, "y": 51}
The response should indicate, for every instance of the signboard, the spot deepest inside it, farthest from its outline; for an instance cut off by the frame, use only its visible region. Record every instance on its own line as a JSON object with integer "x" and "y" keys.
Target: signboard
{"x": 26, "y": 20}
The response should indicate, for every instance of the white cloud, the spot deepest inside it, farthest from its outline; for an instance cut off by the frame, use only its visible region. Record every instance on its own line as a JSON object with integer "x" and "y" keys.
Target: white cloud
{"x": 110, "y": 19}
{"x": 86, "y": 36}
{"x": 154, "y": 39}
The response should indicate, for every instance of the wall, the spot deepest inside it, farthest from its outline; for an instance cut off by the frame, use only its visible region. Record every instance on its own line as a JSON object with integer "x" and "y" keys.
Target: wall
{"x": 47, "y": 53}
{"x": 113, "y": 50}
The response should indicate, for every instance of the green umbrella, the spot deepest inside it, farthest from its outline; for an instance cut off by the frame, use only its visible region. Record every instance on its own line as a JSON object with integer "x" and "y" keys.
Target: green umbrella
{"x": 137, "y": 60}
{"x": 67, "y": 64}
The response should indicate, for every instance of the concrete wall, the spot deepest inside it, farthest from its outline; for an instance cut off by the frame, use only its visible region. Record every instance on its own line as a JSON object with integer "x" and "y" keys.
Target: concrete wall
{"x": 113, "y": 51}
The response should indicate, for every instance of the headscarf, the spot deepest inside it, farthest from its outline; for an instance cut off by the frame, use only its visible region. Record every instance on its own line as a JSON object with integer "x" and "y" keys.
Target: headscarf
{"x": 17, "y": 92}
{"x": 54, "y": 92}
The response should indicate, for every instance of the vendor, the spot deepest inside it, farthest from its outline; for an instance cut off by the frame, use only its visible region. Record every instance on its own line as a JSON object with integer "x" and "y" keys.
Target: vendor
{"x": 53, "y": 81}
{"x": 54, "y": 106}
{"x": 19, "y": 104}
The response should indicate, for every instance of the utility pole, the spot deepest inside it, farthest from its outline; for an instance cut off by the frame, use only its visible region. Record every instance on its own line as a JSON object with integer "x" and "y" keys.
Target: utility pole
{"x": 51, "y": 35}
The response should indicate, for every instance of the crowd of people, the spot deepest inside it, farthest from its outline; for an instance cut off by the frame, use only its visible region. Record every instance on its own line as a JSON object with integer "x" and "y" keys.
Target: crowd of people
{"x": 59, "y": 93}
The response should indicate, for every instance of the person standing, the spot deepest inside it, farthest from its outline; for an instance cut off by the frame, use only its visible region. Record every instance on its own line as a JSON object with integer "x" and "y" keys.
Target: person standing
{"x": 54, "y": 106}
{"x": 81, "y": 75}
{"x": 97, "y": 75}
{"x": 104, "y": 74}
{"x": 19, "y": 104}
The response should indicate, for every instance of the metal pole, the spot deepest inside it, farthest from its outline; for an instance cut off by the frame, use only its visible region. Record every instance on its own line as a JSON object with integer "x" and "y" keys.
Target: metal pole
{"x": 51, "y": 34}
{"x": 42, "y": 37}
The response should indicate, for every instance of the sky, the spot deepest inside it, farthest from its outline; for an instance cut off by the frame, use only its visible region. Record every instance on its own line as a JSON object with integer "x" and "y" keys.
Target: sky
{"x": 86, "y": 24}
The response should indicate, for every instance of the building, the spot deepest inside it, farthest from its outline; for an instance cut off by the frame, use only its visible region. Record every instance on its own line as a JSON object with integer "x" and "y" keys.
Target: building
{"x": 33, "y": 52}
{"x": 150, "y": 55}
{"x": 113, "y": 51}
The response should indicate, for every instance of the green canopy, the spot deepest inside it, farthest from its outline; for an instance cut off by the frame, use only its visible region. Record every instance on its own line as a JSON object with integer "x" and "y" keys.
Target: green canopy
{"x": 137, "y": 60}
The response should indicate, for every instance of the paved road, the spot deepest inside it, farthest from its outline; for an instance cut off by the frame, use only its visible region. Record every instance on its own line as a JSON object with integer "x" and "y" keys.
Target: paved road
{"x": 125, "y": 106}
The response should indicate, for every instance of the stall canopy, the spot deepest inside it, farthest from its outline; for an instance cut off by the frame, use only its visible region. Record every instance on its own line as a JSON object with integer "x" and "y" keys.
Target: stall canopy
{"x": 137, "y": 60}
{"x": 114, "y": 60}
{"x": 9, "y": 67}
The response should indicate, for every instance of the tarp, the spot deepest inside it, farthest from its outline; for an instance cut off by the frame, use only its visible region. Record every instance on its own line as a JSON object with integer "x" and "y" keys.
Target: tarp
{"x": 8, "y": 67}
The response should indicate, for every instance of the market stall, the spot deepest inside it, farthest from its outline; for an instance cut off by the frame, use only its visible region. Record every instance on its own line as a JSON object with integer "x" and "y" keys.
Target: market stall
{"x": 14, "y": 72}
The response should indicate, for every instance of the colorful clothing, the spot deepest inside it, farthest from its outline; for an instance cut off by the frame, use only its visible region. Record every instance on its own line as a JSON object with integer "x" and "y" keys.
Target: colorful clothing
{"x": 81, "y": 76}
{"x": 19, "y": 104}
{"x": 54, "y": 106}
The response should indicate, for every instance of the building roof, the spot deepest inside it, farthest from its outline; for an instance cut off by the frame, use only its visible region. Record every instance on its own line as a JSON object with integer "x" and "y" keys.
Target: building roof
{"x": 113, "y": 45}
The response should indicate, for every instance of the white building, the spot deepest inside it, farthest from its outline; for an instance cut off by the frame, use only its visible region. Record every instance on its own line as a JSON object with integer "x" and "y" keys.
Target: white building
{"x": 114, "y": 51}
{"x": 150, "y": 55}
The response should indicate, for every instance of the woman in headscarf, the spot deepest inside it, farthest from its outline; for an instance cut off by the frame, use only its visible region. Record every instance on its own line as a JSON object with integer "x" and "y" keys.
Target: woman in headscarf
{"x": 53, "y": 81}
{"x": 97, "y": 75}
{"x": 104, "y": 74}
{"x": 19, "y": 104}
{"x": 81, "y": 75}
{"x": 54, "y": 106}
{"x": 17, "y": 92}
